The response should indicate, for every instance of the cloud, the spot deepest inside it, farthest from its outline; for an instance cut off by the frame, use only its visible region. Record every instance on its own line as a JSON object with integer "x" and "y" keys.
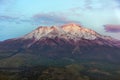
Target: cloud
{"x": 8, "y": 18}
{"x": 12, "y": 19}
{"x": 52, "y": 19}
{"x": 39, "y": 19}
{"x": 100, "y": 4}
{"x": 112, "y": 28}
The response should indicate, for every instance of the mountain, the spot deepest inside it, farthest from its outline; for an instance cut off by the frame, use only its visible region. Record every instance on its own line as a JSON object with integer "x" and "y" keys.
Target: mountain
{"x": 64, "y": 44}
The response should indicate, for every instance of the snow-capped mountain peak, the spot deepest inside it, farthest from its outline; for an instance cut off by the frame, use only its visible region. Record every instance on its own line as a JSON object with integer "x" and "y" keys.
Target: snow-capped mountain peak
{"x": 71, "y": 27}
{"x": 68, "y": 31}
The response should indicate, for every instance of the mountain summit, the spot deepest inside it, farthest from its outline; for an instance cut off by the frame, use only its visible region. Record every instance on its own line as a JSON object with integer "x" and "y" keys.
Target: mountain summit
{"x": 67, "y": 43}
{"x": 68, "y": 31}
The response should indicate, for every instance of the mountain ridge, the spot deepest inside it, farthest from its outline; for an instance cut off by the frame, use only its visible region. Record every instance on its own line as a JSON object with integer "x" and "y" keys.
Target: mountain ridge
{"x": 71, "y": 30}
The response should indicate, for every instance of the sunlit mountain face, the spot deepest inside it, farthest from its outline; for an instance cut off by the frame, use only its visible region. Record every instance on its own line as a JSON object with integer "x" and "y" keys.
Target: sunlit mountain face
{"x": 59, "y": 40}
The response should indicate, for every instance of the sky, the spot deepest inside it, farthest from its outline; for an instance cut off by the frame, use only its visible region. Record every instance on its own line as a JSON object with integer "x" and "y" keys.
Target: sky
{"x": 19, "y": 17}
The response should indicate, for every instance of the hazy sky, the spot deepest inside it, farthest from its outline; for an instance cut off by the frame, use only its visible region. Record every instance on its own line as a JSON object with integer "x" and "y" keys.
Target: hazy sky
{"x": 18, "y": 17}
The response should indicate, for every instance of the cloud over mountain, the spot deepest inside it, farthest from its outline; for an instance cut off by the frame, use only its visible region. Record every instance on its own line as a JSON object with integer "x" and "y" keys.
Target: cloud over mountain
{"x": 112, "y": 28}
{"x": 52, "y": 18}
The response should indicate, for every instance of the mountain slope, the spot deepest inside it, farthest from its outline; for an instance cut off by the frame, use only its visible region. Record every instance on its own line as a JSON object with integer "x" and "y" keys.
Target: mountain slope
{"x": 68, "y": 43}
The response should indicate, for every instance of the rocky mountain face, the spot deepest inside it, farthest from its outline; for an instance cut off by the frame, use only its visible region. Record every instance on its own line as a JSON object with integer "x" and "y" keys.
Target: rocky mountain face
{"x": 71, "y": 41}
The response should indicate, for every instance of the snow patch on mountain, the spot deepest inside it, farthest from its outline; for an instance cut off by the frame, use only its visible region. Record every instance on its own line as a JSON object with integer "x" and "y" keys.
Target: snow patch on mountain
{"x": 68, "y": 31}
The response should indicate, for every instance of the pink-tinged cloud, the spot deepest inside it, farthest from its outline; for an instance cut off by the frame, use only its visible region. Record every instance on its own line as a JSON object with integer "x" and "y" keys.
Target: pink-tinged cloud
{"x": 52, "y": 19}
{"x": 112, "y": 28}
